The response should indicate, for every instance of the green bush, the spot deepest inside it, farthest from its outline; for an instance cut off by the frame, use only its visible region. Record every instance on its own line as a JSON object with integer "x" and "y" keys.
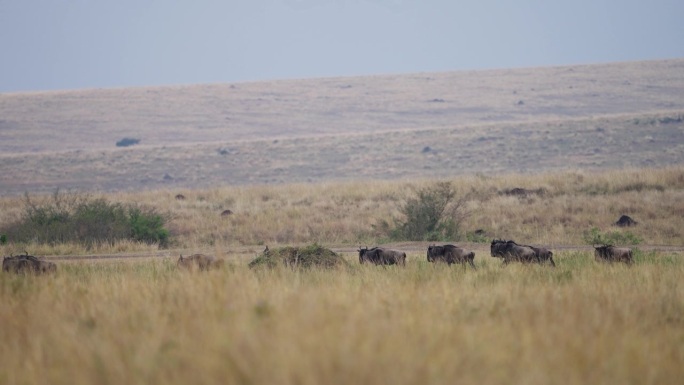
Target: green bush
{"x": 594, "y": 236}
{"x": 3, "y": 239}
{"x": 83, "y": 219}
{"x": 434, "y": 214}
{"x": 147, "y": 226}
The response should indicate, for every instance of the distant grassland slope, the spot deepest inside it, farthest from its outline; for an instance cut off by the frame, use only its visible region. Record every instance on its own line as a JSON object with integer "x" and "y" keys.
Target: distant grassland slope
{"x": 374, "y": 127}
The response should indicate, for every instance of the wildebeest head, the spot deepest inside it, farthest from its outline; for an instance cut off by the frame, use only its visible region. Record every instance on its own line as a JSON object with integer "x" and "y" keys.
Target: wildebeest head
{"x": 497, "y": 248}
{"x": 362, "y": 254}
{"x": 603, "y": 251}
{"x": 434, "y": 252}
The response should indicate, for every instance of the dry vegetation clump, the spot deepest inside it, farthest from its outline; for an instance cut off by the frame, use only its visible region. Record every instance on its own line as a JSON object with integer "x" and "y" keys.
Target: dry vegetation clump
{"x": 299, "y": 257}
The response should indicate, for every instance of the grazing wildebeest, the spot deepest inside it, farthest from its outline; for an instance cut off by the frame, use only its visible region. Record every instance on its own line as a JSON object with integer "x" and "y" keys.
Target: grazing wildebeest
{"x": 450, "y": 254}
{"x": 625, "y": 221}
{"x": 382, "y": 256}
{"x": 201, "y": 261}
{"x": 27, "y": 264}
{"x": 610, "y": 253}
{"x": 511, "y": 251}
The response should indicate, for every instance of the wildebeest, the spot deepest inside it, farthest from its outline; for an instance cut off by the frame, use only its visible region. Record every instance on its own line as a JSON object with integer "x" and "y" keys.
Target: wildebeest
{"x": 27, "y": 264}
{"x": 610, "y": 253}
{"x": 625, "y": 221}
{"x": 450, "y": 254}
{"x": 511, "y": 251}
{"x": 382, "y": 256}
{"x": 201, "y": 261}
{"x": 544, "y": 255}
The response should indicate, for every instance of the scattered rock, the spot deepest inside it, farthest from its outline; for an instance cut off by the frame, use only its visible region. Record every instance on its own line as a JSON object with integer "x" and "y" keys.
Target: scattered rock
{"x": 226, "y": 213}
{"x": 523, "y": 192}
{"x": 125, "y": 142}
{"x": 625, "y": 221}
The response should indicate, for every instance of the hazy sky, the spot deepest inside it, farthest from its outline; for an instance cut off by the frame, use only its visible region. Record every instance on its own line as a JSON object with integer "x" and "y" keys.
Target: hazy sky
{"x": 70, "y": 44}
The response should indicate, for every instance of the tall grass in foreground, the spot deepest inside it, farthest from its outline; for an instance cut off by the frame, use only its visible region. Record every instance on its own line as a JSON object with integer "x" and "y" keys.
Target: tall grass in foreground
{"x": 147, "y": 322}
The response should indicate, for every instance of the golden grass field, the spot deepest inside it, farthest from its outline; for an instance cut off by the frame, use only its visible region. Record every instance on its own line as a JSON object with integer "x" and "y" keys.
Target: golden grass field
{"x": 331, "y": 161}
{"x": 118, "y": 320}
{"x": 147, "y": 322}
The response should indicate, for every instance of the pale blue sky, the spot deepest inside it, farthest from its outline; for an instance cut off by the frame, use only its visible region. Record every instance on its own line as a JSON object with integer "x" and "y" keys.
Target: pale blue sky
{"x": 73, "y": 44}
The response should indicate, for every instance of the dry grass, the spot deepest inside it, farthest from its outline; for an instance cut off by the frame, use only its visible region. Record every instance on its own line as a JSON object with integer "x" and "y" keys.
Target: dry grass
{"x": 147, "y": 322}
{"x": 377, "y": 127}
{"x": 352, "y": 213}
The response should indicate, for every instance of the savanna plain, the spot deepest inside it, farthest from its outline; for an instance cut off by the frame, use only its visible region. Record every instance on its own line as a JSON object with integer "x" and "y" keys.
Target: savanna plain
{"x": 587, "y": 143}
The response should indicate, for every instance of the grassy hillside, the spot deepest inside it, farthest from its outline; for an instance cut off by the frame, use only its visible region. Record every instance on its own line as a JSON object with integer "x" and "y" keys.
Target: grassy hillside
{"x": 375, "y": 127}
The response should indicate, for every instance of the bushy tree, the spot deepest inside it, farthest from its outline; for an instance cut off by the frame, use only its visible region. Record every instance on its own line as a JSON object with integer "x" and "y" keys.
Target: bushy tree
{"x": 435, "y": 213}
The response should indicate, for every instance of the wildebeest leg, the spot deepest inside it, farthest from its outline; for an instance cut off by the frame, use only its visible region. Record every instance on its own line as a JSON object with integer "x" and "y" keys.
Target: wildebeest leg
{"x": 552, "y": 262}
{"x": 472, "y": 264}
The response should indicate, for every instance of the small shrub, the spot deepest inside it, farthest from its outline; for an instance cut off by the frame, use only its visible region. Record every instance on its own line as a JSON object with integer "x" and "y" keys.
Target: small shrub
{"x": 3, "y": 239}
{"x": 434, "y": 214}
{"x": 477, "y": 237}
{"x": 594, "y": 236}
{"x": 125, "y": 142}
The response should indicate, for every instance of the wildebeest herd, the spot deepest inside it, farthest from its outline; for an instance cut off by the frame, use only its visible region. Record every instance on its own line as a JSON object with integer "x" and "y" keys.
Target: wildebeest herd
{"x": 508, "y": 250}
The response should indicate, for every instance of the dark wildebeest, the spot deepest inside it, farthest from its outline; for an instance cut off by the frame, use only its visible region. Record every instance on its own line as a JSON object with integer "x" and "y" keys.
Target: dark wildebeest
{"x": 511, "y": 251}
{"x": 610, "y": 253}
{"x": 201, "y": 261}
{"x": 27, "y": 264}
{"x": 544, "y": 255}
{"x": 382, "y": 256}
{"x": 450, "y": 254}
{"x": 625, "y": 221}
